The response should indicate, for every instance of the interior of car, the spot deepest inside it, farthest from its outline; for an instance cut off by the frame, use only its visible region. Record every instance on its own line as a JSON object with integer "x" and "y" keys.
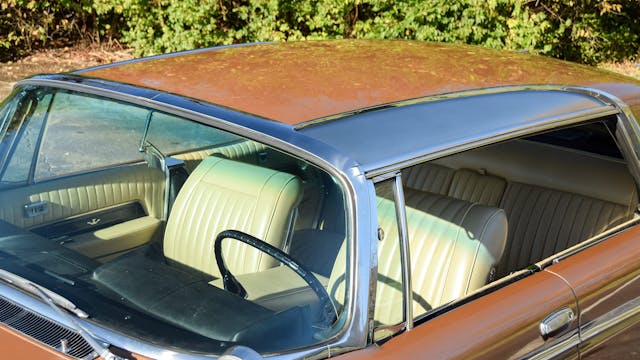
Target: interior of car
{"x": 506, "y": 207}
{"x": 202, "y": 218}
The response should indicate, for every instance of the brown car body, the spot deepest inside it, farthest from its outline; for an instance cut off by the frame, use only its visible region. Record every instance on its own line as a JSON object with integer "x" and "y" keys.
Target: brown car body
{"x": 305, "y": 83}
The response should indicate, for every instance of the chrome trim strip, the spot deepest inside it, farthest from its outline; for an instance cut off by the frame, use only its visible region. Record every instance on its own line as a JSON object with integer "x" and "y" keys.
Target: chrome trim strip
{"x": 565, "y": 345}
{"x": 405, "y": 259}
{"x": 373, "y": 170}
{"x": 610, "y": 323}
{"x": 280, "y": 136}
{"x": 595, "y": 240}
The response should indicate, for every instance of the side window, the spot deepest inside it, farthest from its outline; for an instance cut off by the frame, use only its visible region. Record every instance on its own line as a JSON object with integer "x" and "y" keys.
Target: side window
{"x": 172, "y": 134}
{"x": 23, "y": 132}
{"x": 83, "y": 132}
{"x": 389, "y": 309}
{"x": 481, "y": 215}
{"x": 454, "y": 245}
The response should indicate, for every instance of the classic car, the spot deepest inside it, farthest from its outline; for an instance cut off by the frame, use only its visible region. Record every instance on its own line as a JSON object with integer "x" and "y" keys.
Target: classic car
{"x": 349, "y": 198}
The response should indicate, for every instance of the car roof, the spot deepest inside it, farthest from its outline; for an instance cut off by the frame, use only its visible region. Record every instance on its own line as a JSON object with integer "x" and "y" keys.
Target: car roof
{"x": 301, "y": 82}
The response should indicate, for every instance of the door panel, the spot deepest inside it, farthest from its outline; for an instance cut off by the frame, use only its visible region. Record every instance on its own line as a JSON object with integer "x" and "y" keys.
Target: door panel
{"x": 92, "y": 193}
{"x": 606, "y": 279}
{"x": 79, "y": 194}
{"x": 500, "y": 325}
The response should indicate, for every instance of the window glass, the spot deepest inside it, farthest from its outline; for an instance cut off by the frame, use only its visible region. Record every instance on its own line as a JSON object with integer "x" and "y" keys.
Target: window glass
{"x": 79, "y": 234}
{"x": 389, "y": 303}
{"x": 84, "y": 132}
{"x": 172, "y": 134}
{"x": 21, "y": 159}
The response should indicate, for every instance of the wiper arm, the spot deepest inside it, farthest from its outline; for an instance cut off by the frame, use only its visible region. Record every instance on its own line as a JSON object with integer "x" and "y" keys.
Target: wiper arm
{"x": 30, "y": 287}
{"x": 57, "y": 303}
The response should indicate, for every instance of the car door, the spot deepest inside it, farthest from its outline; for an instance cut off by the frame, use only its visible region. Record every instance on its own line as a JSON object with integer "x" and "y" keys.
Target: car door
{"x": 71, "y": 167}
{"x": 606, "y": 279}
{"x": 504, "y": 324}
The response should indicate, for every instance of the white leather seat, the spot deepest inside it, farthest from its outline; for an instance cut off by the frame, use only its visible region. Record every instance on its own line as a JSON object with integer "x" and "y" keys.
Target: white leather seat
{"x": 454, "y": 245}
{"x": 223, "y": 194}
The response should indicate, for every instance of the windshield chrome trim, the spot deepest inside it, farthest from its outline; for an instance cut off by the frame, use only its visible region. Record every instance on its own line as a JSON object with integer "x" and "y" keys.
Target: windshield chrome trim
{"x": 353, "y": 335}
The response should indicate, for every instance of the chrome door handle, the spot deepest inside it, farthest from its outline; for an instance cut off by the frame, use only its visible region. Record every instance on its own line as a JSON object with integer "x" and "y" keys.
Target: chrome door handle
{"x": 556, "y": 322}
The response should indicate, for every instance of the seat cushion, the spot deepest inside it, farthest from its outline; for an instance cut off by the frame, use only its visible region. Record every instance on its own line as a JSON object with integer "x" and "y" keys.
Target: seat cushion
{"x": 544, "y": 221}
{"x": 223, "y": 194}
{"x": 428, "y": 177}
{"x": 454, "y": 244}
{"x": 473, "y": 186}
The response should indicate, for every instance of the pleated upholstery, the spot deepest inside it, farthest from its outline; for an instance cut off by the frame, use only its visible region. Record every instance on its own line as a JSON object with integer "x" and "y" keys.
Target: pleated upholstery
{"x": 247, "y": 151}
{"x": 463, "y": 184}
{"x": 453, "y": 246}
{"x": 223, "y": 194}
{"x": 479, "y": 188}
{"x": 70, "y": 196}
{"x": 428, "y": 177}
{"x": 544, "y": 221}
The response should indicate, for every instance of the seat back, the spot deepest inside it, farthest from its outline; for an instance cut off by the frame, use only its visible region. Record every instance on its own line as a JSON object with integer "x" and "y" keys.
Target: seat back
{"x": 223, "y": 194}
{"x": 454, "y": 245}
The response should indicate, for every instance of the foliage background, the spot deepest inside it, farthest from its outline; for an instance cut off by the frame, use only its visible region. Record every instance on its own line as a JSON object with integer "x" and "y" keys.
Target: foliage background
{"x": 586, "y": 31}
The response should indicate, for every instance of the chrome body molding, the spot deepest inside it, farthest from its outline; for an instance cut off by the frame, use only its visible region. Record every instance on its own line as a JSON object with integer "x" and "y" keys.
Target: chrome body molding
{"x": 586, "y": 244}
{"x": 563, "y": 346}
{"x": 607, "y": 325}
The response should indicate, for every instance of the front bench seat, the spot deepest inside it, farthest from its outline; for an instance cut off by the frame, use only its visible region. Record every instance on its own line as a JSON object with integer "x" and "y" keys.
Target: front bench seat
{"x": 223, "y": 194}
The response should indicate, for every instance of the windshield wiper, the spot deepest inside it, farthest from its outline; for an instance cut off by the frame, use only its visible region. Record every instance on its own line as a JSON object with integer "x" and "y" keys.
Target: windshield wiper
{"x": 30, "y": 287}
{"x": 57, "y": 303}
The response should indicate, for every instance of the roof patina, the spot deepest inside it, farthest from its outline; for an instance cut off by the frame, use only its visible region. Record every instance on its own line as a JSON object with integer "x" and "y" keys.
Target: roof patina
{"x": 301, "y": 81}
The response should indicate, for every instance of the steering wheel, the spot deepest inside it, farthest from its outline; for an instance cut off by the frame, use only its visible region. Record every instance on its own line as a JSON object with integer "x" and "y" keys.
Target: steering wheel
{"x": 232, "y": 285}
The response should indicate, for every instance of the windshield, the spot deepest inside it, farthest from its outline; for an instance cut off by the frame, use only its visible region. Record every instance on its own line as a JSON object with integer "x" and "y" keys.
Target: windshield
{"x": 168, "y": 230}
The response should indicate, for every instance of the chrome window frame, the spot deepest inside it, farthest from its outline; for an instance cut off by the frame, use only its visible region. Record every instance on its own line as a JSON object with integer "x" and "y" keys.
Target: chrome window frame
{"x": 405, "y": 258}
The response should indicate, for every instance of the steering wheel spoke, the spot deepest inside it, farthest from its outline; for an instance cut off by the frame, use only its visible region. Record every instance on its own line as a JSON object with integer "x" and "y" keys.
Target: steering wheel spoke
{"x": 231, "y": 284}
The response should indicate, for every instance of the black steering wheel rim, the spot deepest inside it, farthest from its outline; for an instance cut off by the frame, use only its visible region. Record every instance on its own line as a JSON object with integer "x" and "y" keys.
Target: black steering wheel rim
{"x": 231, "y": 284}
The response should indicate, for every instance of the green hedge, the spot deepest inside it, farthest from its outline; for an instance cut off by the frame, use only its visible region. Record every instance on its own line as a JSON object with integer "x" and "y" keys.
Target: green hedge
{"x": 579, "y": 30}
{"x": 26, "y": 25}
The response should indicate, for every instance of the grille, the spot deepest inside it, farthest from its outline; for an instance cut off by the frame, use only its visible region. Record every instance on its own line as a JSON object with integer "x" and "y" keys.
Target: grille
{"x": 43, "y": 330}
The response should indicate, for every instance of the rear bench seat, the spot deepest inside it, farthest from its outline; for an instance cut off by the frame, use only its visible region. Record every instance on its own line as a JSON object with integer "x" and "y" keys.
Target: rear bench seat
{"x": 454, "y": 245}
{"x": 554, "y": 197}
